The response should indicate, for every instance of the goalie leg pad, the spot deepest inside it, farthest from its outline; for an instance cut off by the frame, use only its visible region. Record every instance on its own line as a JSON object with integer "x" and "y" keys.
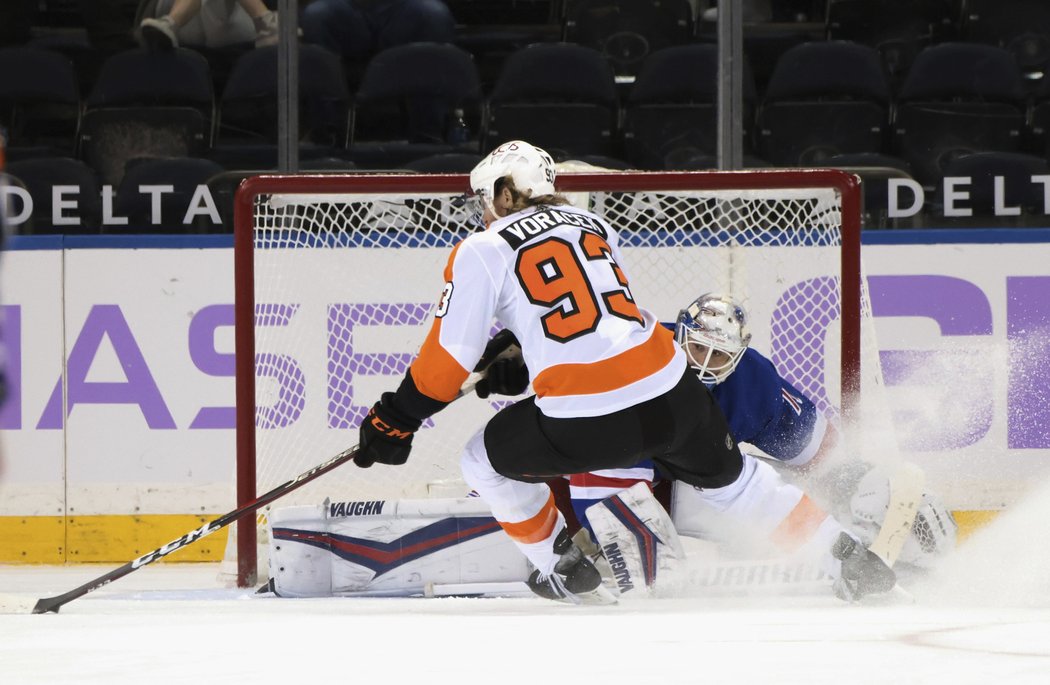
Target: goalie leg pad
{"x": 637, "y": 538}
{"x": 388, "y": 547}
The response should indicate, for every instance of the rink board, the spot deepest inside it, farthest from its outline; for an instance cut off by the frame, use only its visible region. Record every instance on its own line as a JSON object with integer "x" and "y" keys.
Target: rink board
{"x": 135, "y": 338}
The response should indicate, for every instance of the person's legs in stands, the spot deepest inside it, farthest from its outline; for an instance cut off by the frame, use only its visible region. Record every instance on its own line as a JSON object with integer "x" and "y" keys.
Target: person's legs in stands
{"x": 338, "y": 26}
{"x": 396, "y": 22}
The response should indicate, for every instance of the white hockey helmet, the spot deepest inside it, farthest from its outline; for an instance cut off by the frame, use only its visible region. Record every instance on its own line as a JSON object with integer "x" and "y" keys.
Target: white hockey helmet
{"x": 713, "y": 332}
{"x": 933, "y": 534}
{"x": 530, "y": 168}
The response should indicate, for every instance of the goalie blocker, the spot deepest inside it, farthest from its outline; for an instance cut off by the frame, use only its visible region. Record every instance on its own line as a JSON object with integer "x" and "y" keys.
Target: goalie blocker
{"x": 448, "y": 546}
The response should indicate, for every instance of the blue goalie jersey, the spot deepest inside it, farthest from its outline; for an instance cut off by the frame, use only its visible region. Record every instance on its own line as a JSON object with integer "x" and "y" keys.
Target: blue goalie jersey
{"x": 766, "y": 411}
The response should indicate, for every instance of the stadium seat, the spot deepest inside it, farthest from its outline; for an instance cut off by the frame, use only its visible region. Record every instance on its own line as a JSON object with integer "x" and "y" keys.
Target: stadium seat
{"x": 1040, "y": 130}
{"x": 684, "y": 159}
{"x": 823, "y": 99}
{"x": 265, "y": 157}
{"x": 898, "y": 29}
{"x": 996, "y": 179}
{"x": 601, "y": 161}
{"x": 409, "y": 101}
{"x": 627, "y": 31}
{"x": 957, "y": 99}
{"x": 559, "y": 96}
{"x": 1020, "y": 26}
{"x": 248, "y": 108}
{"x": 446, "y": 163}
{"x": 147, "y": 104}
{"x": 39, "y": 102}
{"x": 673, "y": 105}
{"x": 183, "y": 175}
{"x": 40, "y": 176}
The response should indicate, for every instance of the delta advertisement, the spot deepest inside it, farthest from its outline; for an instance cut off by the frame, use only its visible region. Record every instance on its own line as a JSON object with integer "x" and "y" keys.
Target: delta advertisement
{"x": 118, "y": 432}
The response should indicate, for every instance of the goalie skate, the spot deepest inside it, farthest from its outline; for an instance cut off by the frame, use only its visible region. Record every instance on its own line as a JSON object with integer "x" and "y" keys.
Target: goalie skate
{"x": 575, "y": 579}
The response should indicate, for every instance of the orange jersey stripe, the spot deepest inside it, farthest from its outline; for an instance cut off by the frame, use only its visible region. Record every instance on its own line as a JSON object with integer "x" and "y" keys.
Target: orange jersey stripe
{"x": 536, "y": 529}
{"x": 436, "y": 372}
{"x": 637, "y": 363}
{"x": 799, "y": 525}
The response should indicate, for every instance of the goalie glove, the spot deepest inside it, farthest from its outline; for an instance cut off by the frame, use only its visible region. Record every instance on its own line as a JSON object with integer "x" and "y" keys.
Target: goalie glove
{"x": 503, "y": 366}
{"x": 385, "y": 435}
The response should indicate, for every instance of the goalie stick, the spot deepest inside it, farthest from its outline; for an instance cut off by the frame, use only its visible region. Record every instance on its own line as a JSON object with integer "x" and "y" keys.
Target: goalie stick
{"x": 906, "y": 487}
{"x": 53, "y": 604}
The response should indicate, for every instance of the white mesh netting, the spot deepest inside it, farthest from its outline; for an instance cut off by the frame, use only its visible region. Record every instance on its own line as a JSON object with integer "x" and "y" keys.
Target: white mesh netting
{"x": 344, "y": 283}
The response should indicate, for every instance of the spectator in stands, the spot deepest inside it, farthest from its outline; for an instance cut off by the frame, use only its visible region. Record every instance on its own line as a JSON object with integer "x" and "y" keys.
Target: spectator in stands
{"x": 357, "y": 29}
{"x": 209, "y": 23}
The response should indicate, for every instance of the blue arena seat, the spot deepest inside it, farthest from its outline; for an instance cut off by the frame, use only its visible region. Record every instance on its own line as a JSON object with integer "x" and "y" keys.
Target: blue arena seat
{"x": 958, "y": 98}
{"x": 1020, "y": 26}
{"x": 39, "y": 101}
{"x": 628, "y": 31}
{"x": 673, "y": 106}
{"x": 147, "y": 104}
{"x": 824, "y": 99}
{"x": 248, "y": 108}
{"x": 409, "y": 102}
{"x": 559, "y": 96}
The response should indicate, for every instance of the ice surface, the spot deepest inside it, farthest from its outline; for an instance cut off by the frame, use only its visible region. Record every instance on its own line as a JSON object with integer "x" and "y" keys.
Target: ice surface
{"x": 984, "y": 619}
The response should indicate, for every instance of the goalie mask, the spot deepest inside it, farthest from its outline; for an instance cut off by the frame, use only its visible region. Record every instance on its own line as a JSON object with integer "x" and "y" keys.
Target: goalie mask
{"x": 713, "y": 332}
{"x": 530, "y": 169}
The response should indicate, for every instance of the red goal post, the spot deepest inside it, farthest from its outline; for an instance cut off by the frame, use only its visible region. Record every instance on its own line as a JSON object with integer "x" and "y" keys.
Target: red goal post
{"x": 336, "y": 276}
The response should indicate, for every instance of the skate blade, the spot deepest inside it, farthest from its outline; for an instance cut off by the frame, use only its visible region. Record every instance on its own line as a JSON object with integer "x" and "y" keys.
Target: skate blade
{"x": 600, "y": 595}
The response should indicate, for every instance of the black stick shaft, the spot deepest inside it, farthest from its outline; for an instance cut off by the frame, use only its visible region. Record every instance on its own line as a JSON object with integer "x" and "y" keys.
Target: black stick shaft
{"x": 54, "y": 603}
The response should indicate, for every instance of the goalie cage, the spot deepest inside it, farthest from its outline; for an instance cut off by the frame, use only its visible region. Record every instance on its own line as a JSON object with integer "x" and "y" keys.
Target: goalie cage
{"x": 337, "y": 276}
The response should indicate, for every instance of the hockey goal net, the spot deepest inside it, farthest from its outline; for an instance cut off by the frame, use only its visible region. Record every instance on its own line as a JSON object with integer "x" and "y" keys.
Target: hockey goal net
{"x": 337, "y": 276}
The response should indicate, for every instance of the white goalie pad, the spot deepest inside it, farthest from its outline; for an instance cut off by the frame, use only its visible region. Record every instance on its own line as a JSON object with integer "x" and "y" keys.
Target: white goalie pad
{"x": 392, "y": 548}
{"x": 637, "y": 538}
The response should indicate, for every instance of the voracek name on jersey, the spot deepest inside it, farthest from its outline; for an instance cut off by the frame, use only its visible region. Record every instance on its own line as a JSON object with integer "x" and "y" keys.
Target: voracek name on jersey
{"x": 528, "y": 227}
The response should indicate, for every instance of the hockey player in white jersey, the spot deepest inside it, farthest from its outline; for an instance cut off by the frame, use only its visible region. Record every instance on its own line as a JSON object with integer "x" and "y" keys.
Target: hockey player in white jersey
{"x": 611, "y": 386}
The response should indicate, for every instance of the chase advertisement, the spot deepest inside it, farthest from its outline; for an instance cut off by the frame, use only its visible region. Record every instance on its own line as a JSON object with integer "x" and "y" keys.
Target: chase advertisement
{"x": 121, "y": 399}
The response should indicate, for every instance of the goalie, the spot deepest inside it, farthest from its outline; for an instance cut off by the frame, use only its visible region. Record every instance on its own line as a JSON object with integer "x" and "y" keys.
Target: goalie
{"x": 764, "y": 410}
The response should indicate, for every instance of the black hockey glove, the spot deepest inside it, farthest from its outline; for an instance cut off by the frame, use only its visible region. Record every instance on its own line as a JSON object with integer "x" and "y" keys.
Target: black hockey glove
{"x": 503, "y": 343}
{"x": 385, "y": 435}
{"x": 504, "y": 377}
{"x": 505, "y": 371}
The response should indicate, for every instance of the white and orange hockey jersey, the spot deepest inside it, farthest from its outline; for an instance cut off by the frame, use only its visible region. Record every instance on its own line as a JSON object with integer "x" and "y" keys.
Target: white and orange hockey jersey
{"x": 553, "y": 276}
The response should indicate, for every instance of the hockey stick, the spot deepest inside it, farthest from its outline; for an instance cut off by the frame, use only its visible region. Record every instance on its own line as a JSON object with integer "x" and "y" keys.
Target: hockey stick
{"x": 53, "y": 604}
{"x": 906, "y": 487}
